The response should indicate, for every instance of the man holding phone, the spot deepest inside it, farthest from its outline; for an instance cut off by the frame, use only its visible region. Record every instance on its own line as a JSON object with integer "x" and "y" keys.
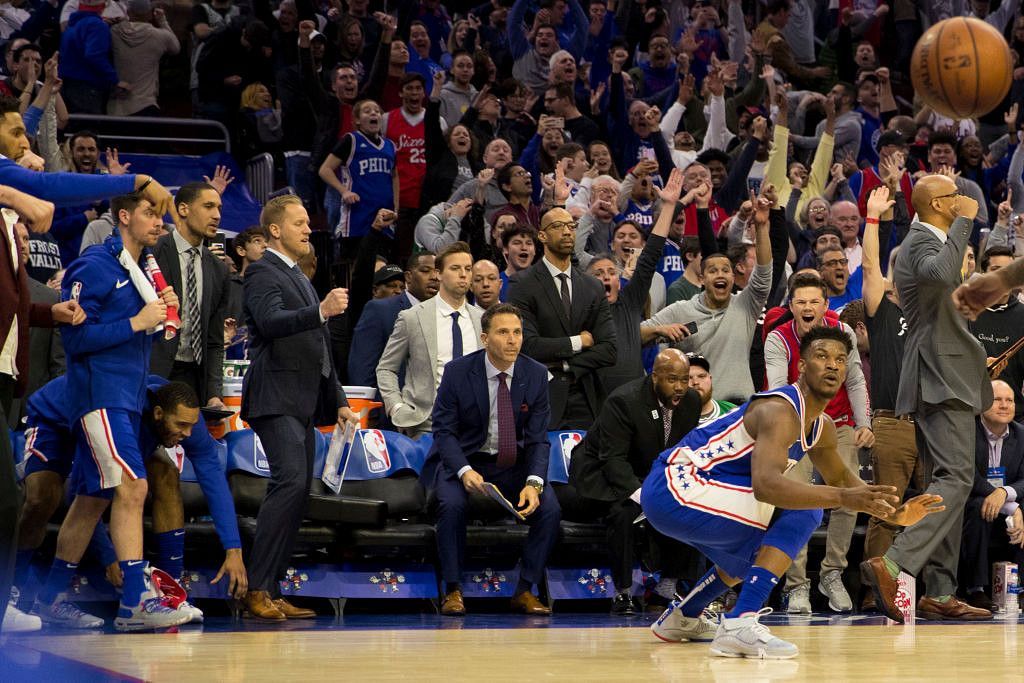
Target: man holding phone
{"x": 196, "y": 354}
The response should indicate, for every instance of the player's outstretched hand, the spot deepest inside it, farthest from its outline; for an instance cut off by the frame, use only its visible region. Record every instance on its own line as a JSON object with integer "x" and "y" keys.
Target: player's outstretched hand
{"x": 879, "y": 501}
{"x": 916, "y": 509}
{"x": 238, "y": 580}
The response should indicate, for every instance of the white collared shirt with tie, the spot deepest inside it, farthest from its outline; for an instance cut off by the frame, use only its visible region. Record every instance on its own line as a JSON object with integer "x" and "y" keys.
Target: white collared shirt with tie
{"x": 576, "y": 340}
{"x": 470, "y": 342}
{"x": 182, "y": 246}
{"x": 491, "y": 444}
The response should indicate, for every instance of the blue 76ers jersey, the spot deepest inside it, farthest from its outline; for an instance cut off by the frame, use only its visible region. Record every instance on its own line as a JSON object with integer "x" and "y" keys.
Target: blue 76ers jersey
{"x": 709, "y": 469}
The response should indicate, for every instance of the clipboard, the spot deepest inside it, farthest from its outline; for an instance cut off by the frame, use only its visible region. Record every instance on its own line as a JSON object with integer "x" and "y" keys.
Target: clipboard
{"x": 494, "y": 494}
{"x": 337, "y": 456}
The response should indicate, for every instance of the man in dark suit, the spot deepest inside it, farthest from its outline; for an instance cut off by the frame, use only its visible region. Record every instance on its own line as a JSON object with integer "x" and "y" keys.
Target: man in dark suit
{"x": 943, "y": 384}
{"x": 290, "y": 388}
{"x": 997, "y": 492}
{"x": 196, "y": 354}
{"x": 377, "y": 321}
{"x": 46, "y": 352}
{"x": 637, "y": 422}
{"x": 490, "y": 423}
{"x": 567, "y": 324}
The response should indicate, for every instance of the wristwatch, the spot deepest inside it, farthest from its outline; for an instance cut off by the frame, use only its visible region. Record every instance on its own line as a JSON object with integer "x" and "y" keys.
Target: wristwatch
{"x": 539, "y": 487}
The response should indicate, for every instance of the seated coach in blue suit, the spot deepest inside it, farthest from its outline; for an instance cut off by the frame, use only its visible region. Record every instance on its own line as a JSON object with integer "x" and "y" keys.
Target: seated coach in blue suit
{"x": 490, "y": 422}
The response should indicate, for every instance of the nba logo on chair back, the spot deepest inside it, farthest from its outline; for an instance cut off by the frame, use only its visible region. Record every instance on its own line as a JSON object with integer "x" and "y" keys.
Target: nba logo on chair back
{"x": 569, "y": 440}
{"x": 259, "y": 455}
{"x": 375, "y": 449}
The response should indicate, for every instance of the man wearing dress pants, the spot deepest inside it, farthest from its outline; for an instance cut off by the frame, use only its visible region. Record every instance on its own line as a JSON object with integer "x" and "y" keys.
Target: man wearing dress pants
{"x": 290, "y": 388}
{"x": 943, "y": 385}
{"x": 490, "y": 424}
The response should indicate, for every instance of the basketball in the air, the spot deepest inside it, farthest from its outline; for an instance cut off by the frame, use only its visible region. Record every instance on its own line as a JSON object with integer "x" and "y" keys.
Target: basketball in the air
{"x": 961, "y": 67}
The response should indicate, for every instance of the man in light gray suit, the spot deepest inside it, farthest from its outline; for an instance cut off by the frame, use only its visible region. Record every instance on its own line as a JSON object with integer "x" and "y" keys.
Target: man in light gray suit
{"x": 943, "y": 385}
{"x": 426, "y": 337}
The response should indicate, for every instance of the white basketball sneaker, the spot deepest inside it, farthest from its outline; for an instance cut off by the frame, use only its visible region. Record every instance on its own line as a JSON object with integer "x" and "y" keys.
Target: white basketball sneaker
{"x": 673, "y": 627}
{"x": 150, "y": 613}
{"x": 16, "y": 621}
{"x": 744, "y": 636}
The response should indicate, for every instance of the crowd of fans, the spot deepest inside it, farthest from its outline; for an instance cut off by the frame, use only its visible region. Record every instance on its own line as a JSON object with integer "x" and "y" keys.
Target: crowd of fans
{"x": 714, "y": 165}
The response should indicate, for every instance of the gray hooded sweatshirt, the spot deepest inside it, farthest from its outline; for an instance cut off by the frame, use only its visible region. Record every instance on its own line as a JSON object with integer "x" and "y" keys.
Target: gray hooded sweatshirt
{"x": 723, "y": 335}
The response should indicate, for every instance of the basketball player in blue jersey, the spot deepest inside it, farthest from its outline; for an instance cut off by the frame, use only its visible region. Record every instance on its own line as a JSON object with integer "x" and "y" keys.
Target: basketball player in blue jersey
{"x": 170, "y": 418}
{"x": 369, "y": 180}
{"x": 719, "y": 488}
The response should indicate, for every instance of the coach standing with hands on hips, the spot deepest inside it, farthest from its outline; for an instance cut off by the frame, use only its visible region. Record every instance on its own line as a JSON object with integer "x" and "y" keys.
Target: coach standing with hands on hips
{"x": 943, "y": 385}
{"x": 290, "y": 388}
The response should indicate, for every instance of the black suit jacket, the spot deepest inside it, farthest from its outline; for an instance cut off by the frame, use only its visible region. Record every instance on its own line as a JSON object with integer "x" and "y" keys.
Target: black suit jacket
{"x": 616, "y": 454}
{"x": 287, "y": 342}
{"x": 1011, "y": 460}
{"x": 212, "y": 311}
{"x": 546, "y": 331}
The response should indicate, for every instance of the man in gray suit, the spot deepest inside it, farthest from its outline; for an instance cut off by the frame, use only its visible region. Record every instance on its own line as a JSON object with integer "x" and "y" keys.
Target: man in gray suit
{"x": 943, "y": 385}
{"x": 426, "y": 337}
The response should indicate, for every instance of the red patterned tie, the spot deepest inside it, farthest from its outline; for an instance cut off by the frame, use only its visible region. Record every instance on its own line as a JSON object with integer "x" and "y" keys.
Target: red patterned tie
{"x": 506, "y": 425}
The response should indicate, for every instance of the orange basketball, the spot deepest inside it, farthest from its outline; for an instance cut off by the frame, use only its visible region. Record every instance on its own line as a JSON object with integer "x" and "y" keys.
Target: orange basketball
{"x": 961, "y": 67}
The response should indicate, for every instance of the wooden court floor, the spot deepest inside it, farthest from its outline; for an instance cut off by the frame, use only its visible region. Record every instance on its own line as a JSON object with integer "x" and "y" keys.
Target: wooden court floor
{"x": 844, "y": 651}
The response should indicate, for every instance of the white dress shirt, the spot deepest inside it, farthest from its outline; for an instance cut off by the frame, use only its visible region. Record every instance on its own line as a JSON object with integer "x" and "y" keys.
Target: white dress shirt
{"x": 9, "y": 350}
{"x": 470, "y": 342}
{"x": 491, "y": 444}
{"x": 941, "y": 234}
{"x": 576, "y": 340}
{"x": 182, "y": 246}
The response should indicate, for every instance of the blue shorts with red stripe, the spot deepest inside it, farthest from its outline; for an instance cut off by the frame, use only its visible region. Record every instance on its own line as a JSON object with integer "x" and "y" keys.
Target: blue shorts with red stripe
{"x": 48, "y": 448}
{"x": 106, "y": 452}
{"x": 731, "y": 545}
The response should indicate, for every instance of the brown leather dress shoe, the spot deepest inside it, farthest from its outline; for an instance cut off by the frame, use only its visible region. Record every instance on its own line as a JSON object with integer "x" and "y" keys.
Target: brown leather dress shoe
{"x": 258, "y": 605}
{"x": 874, "y": 574}
{"x": 453, "y": 605}
{"x": 527, "y": 603}
{"x": 290, "y": 611}
{"x": 952, "y": 610}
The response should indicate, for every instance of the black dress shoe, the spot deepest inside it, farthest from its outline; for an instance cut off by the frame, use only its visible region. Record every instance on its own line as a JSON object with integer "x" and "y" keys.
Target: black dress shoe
{"x": 655, "y": 603}
{"x": 622, "y": 605}
{"x": 981, "y": 601}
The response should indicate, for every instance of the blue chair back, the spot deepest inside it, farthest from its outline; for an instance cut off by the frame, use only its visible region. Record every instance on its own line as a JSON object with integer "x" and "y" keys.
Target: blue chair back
{"x": 562, "y": 444}
{"x": 323, "y": 443}
{"x": 377, "y": 453}
{"x": 17, "y": 444}
{"x": 188, "y": 473}
{"x": 245, "y": 453}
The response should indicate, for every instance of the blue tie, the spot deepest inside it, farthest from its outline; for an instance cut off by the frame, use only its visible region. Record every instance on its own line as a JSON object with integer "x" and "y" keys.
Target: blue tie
{"x": 456, "y": 337}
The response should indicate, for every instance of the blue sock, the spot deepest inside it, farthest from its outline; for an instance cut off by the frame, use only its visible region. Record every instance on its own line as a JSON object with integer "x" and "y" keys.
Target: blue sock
{"x": 707, "y": 589}
{"x": 134, "y": 581}
{"x": 22, "y": 563}
{"x": 101, "y": 546}
{"x": 171, "y": 549}
{"x": 756, "y": 589}
{"x": 57, "y": 582}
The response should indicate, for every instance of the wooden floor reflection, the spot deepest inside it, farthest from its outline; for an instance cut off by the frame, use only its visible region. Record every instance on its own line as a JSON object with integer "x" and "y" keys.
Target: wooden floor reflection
{"x": 936, "y": 652}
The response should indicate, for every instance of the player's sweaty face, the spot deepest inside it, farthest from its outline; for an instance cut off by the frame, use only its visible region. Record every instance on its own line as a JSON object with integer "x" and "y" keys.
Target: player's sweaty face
{"x": 825, "y": 366}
